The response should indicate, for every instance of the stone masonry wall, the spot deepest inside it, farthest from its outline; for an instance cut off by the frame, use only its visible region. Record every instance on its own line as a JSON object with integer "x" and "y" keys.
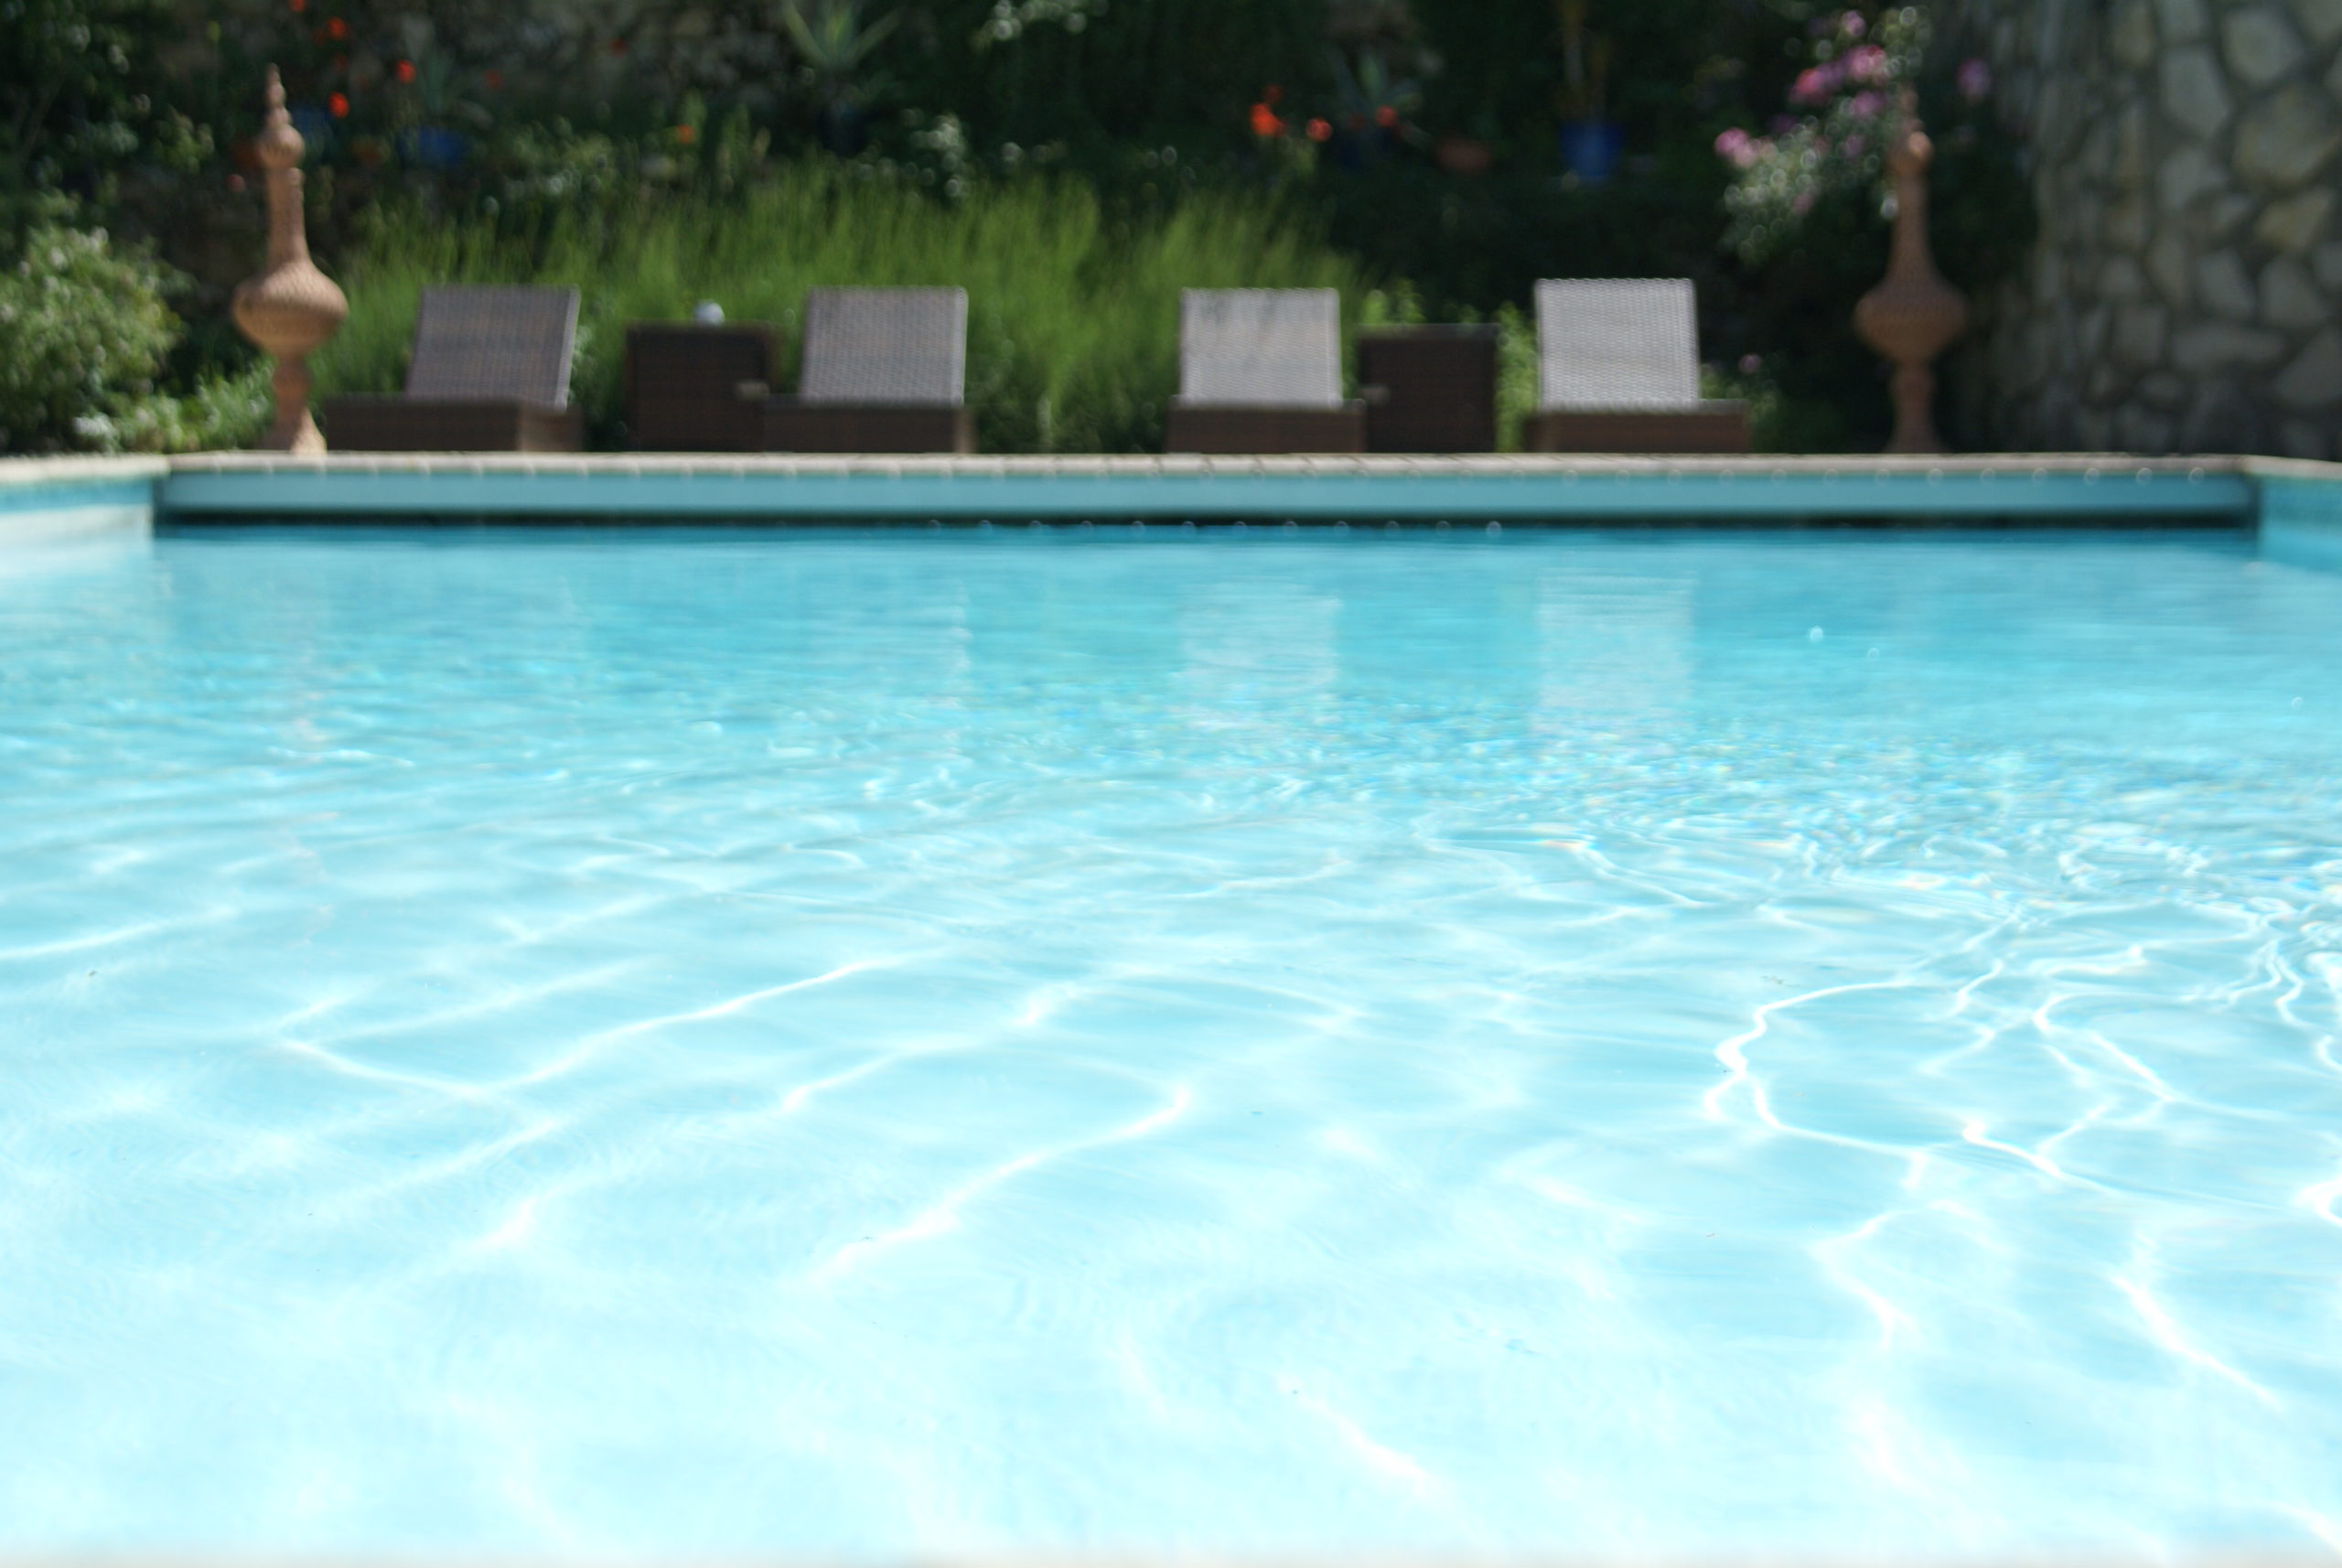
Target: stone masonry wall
{"x": 2185, "y": 290}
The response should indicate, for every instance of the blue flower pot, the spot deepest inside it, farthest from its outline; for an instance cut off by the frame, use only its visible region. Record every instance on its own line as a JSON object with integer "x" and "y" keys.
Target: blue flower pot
{"x": 315, "y": 126}
{"x": 434, "y": 147}
{"x": 1590, "y": 148}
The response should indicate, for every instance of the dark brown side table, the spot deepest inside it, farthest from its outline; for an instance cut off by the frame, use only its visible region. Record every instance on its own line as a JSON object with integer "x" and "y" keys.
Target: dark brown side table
{"x": 1429, "y": 389}
{"x": 696, "y": 388}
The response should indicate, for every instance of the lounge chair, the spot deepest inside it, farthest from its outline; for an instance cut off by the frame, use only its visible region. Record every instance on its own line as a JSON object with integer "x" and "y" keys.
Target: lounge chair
{"x": 1260, "y": 371}
{"x": 884, "y": 370}
{"x": 1618, "y": 370}
{"x": 695, "y": 387}
{"x": 490, "y": 373}
{"x": 1429, "y": 389}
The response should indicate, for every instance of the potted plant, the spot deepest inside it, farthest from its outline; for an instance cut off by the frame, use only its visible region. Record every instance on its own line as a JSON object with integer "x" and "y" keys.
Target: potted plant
{"x": 1375, "y": 108}
{"x": 833, "y": 44}
{"x": 440, "y": 107}
{"x": 1590, "y": 141}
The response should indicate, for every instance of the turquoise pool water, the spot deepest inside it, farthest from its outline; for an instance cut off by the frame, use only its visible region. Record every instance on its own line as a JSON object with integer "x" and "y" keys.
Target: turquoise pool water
{"x": 620, "y": 1041}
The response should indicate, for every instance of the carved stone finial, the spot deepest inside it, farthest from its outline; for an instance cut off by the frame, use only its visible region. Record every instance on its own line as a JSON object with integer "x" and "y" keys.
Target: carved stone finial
{"x": 291, "y": 308}
{"x": 1912, "y": 314}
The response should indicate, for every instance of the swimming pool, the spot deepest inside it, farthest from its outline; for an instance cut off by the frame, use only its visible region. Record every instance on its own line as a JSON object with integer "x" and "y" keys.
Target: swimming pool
{"x": 603, "y": 1042}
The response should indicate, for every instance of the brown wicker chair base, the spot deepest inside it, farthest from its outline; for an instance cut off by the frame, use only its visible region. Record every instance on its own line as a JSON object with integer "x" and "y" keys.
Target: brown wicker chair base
{"x": 1722, "y": 427}
{"x": 1429, "y": 389}
{"x": 693, "y": 388}
{"x": 1230, "y": 428}
{"x": 428, "y": 424}
{"x": 794, "y": 426}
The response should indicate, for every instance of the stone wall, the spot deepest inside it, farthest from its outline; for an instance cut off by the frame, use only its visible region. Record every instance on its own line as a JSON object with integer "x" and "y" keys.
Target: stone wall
{"x": 2185, "y": 292}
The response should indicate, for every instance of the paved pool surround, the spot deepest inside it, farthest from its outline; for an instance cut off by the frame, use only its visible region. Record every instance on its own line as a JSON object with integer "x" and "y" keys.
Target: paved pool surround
{"x": 2297, "y": 505}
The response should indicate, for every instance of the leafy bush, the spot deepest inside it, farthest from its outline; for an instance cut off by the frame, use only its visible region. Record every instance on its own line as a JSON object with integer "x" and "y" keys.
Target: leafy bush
{"x": 84, "y": 334}
{"x": 79, "y": 85}
{"x": 82, "y": 329}
{"x": 1073, "y": 318}
{"x": 1810, "y": 209}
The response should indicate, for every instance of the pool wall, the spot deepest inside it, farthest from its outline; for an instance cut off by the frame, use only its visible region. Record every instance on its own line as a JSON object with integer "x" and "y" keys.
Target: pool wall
{"x": 2300, "y": 512}
{"x": 48, "y": 499}
{"x": 1472, "y": 490}
{"x": 2296, "y": 506}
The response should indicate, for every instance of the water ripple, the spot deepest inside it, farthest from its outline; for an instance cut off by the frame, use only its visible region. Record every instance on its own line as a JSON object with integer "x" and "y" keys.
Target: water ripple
{"x": 795, "y": 1045}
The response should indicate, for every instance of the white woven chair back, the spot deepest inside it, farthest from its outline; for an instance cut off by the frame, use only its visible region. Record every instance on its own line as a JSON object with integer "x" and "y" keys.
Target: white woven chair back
{"x": 884, "y": 346}
{"x": 1275, "y": 347}
{"x": 1623, "y": 343}
{"x": 488, "y": 343}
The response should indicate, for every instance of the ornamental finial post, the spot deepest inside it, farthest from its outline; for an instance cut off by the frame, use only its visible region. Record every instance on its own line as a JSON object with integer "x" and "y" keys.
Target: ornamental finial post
{"x": 1912, "y": 314}
{"x": 291, "y": 308}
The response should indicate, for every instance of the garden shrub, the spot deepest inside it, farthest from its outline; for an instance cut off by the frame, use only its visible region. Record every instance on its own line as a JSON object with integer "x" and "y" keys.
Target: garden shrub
{"x": 83, "y": 328}
{"x": 85, "y": 332}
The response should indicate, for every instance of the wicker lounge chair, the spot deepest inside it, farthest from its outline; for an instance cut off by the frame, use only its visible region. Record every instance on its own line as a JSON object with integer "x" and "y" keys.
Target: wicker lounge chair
{"x": 1429, "y": 389}
{"x": 697, "y": 388}
{"x": 490, "y": 373}
{"x": 882, "y": 370}
{"x": 1260, "y": 371}
{"x": 1618, "y": 370}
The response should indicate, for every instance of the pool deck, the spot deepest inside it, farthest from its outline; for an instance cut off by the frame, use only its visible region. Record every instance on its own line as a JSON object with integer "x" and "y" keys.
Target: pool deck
{"x": 2300, "y": 503}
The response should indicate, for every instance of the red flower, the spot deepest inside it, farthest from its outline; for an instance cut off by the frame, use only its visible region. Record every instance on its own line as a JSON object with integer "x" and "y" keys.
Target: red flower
{"x": 1265, "y": 122}
{"x": 404, "y": 70}
{"x": 1386, "y": 117}
{"x": 298, "y": 5}
{"x": 495, "y": 79}
{"x": 1319, "y": 130}
{"x": 686, "y": 135}
{"x": 337, "y": 105}
{"x": 337, "y": 29}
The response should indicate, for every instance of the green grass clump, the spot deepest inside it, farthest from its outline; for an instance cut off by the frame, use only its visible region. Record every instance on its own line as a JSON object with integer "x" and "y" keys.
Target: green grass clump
{"x": 1073, "y": 320}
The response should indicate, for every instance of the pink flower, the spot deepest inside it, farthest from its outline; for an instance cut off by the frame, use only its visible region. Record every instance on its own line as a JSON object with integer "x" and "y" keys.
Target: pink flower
{"x": 1868, "y": 105}
{"x": 1803, "y": 204}
{"x": 1810, "y": 87}
{"x": 1750, "y": 364}
{"x": 1852, "y": 25}
{"x": 1975, "y": 78}
{"x": 1866, "y": 63}
{"x": 1735, "y": 147}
